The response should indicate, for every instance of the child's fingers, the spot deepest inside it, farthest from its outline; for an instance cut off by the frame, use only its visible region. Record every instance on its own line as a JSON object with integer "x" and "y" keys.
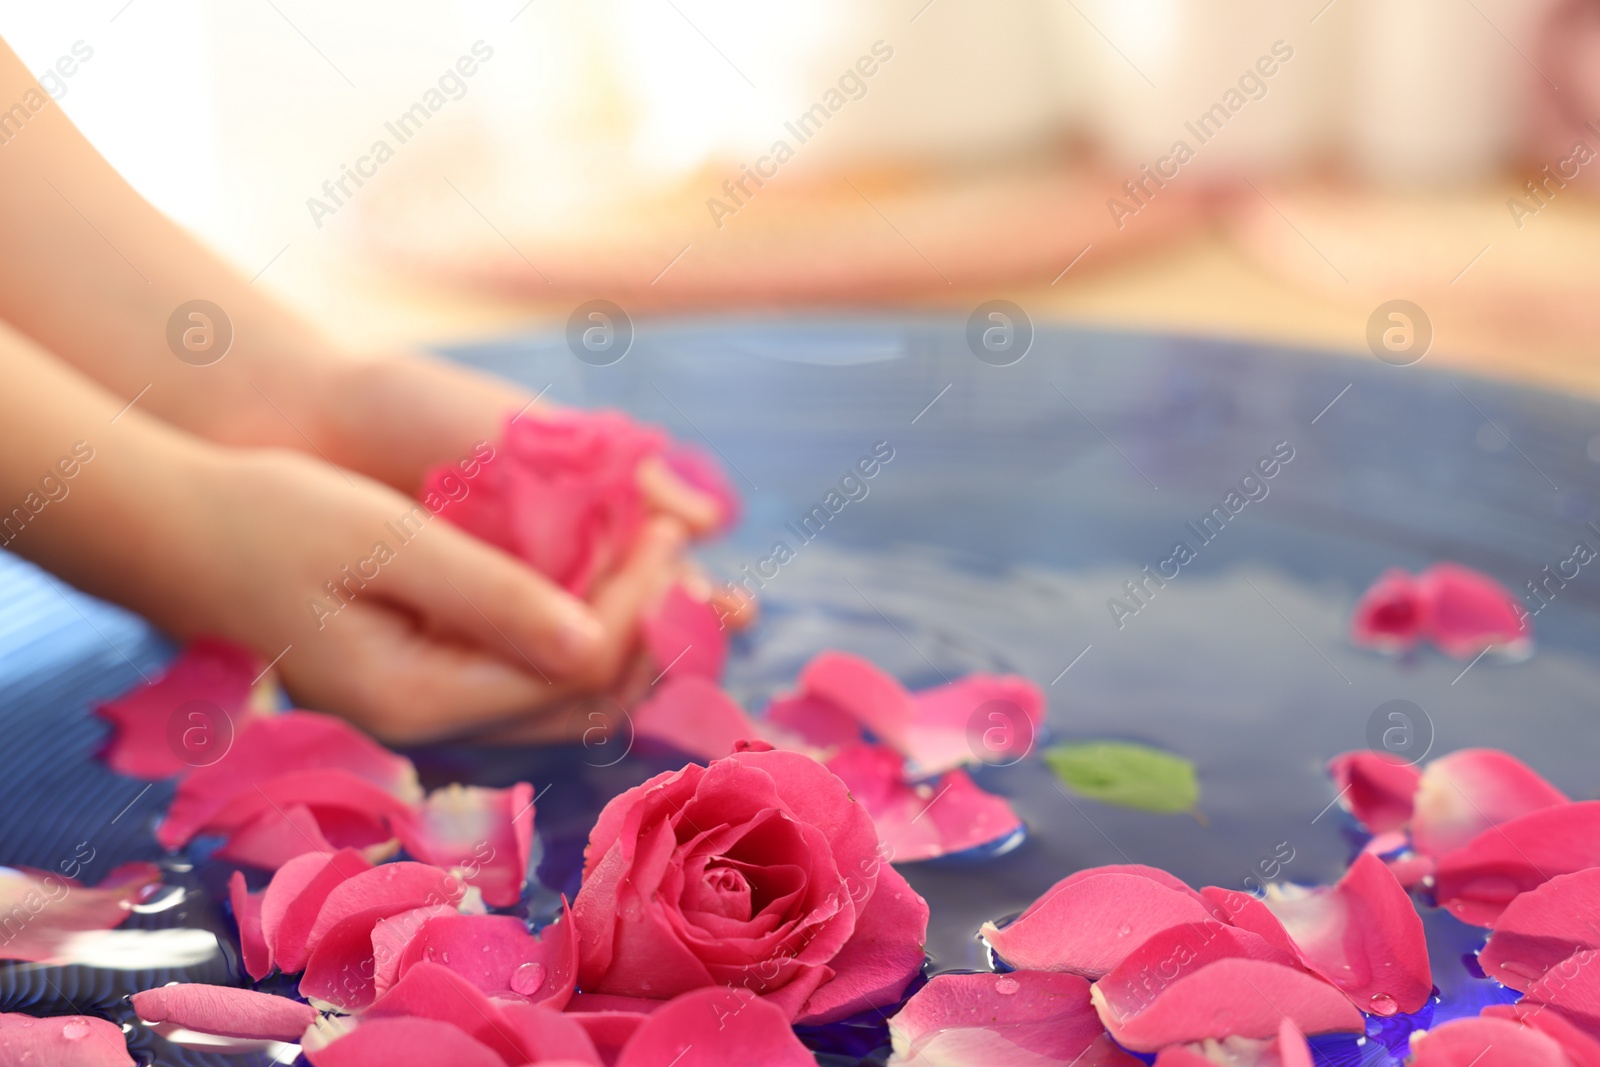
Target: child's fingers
{"x": 669, "y": 493}
{"x": 475, "y": 591}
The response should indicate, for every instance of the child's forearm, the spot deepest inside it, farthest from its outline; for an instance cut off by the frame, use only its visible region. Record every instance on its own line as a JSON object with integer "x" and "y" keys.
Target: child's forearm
{"x": 94, "y": 273}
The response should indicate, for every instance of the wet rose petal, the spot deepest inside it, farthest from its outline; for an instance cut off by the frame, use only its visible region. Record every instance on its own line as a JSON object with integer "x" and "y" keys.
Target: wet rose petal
{"x": 352, "y": 785}
{"x": 1391, "y": 614}
{"x": 1572, "y": 987}
{"x": 1364, "y": 935}
{"x": 880, "y": 960}
{"x": 694, "y": 716}
{"x": 277, "y": 836}
{"x": 209, "y": 669}
{"x": 1377, "y": 789}
{"x": 1462, "y": 794}
{"x": 292, "y": 900}
{"x": 876, "y": 701}
{"x": 1089, "y": 923}
{"x": 1000, "y": 714}
{"x": 1021, "y": 1019}
{"x": 714, "y": 1028}
{"x": 247, "y": 914}
{"x": 401, "y": 1042}
{"x": 1581, "y": 1047}
{"x": 1230, "y": 998}
{"x": 498, "y": 955}
{"x": 62, "y": 1041}
{"x": 225, "y": 1011}
{"x": 43, "y": 909}
{"x": 918, "y": 822}
{"x": 1250, "y": 912}
{"x": 1485, "y": 1042}
{"x": 1542, "y": 927}
{"x": 1477, "y": 881}
{"x": 1468, "y": 611}
{"x": 684, "y": 638}
{"x": 341, "y": 968}
{"x": 484, "y": 835}
{"x": 1288, "y": 1049}
{"x": 1134, "y": 984}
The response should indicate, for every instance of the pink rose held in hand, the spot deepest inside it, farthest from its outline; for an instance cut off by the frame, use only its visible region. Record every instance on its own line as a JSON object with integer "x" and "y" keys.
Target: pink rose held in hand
{"x": 760, "y": 872}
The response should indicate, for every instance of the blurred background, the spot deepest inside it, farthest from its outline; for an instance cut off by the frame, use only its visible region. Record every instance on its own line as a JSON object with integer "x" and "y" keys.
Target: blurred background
{"x": 414, "y": 173}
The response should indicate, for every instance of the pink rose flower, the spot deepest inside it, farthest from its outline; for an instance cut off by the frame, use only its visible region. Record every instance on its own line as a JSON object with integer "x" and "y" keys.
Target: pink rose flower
{"x": 759, "y": 872}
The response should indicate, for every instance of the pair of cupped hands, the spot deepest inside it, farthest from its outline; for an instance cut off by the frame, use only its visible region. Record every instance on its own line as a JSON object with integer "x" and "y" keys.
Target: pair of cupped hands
{"x": 453, "y": 636}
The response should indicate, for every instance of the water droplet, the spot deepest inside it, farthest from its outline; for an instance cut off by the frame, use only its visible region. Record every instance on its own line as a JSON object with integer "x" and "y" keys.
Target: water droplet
{"x": 528, "y": 979}
{"x": 75, "y": 1030}
{"x": 1006, "y": 986}
{"x": 1383, "y": 1004}
{"x": 444, "y": 957}
{"x": 1125, "y": 931}
{"x": 486, "y": 948}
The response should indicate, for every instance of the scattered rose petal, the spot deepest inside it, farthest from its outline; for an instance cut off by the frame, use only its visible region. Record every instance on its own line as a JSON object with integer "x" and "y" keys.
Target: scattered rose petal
{"x": 225, "y": 1011}
{"x": 918, "y": 822}
{"x": 1376, "y": 788}
{"x": 216, "y": 672}
{"x": 43, "y": 910}
{"x": 713, "y": 1028}
{"x": 247, "y": 913}
{"x": 1466, "y": 792}
{"x": 1089, "y": 923}
{"x": 1542, "y": 927}
{"x": 1022, "y": 1019}
{"x": 1288, "y": 1049}
{"x": 1230, "y": 998}
{"x": 1364, "y": 935}
{"x": 1573, "y": 988}
{"x": 1477, "y": 881}
{"x": 484, "y": 835}
{"x": 1391, "y": 614}
{"x": 684, "y": 638}
{"x": 62, "y": 1041}
{"x": 293, "y": 899}
{"x": 1468, "y": 611}
{"x": 498, "y": 955}
{"x": 1485, "y": 1042}
{"x": 1001, "y": 714}
{"x": 873, "y": 698}
{"x": 694, "y": 716}
{"x": 1134, "y": 984}
{"x": 399, "y": 1042}
{"x": 1581, "y": 1047}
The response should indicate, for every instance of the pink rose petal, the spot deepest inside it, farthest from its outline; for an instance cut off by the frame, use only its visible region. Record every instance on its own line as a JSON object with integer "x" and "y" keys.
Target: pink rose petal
{"x": 812, "y": 722}
{"x": 713, "y": 1028}
{"x": 225, "y": 1011}
{"x": 873, "y": 698}
{"x": 341, "y": 968}
{"x": 403, "y": 1042}
{"x": 982, "y": 717}
{"x": 694, "y": 716}
{"x": 1288, "y": 1049}
{"x": 882, "y": 956}
{"x": 247, "y": 913}
{"x": 43, "y": 910}
{"x": 1477, "y": 881}
{"x": 1581, "y": 1047}
{"x": 497, "y": 954}
{"x": 1249, "y": 912}
{"x": 1466, "y": 792}
{"x": 1573, "y": 988}
{"x": 1364, "y": 935}
{"x": 1088, "y": 925}
{"x": 1022, "y": 1019}
{"x": 294, "y": 897}
{"x": 348, "y": 811}
{"x": 1233, "y": 997}
{"x": 519, "y": 1033}
{"x": 62, "y": 1041}
{"x": 276, "y": 836}
{"x": 1485, "y": 1042}
{"x": 684, "y": 638}
{"x": 1134, "y": 984}
{"x": 1391, "y": 614}
{"x": 1377, "y": 789}
{"x": 949, "y": 814}
{"x": 1542, "y": 927}
{"x": 1468, "y": 611}
{"x": 216, "y": 672}
{"x": 486, "y": 835}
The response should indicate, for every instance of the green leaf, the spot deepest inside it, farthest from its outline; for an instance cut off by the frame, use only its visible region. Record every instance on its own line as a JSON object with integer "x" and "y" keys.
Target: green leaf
{"x": 1127, "y": 775}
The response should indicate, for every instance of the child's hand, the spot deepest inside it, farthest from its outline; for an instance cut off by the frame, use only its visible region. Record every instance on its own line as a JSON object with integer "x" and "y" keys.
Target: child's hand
{"x": 390, "y": 616}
